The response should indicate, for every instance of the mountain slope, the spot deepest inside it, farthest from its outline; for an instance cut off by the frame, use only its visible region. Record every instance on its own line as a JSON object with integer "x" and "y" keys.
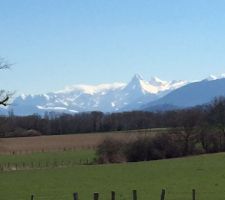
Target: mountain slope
{"x": 192, "y": 94}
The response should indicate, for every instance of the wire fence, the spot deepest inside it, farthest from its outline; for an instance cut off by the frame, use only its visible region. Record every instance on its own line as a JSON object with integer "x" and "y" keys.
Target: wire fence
{"x": 133, "y": 195}
{"x": 44, "y": 164}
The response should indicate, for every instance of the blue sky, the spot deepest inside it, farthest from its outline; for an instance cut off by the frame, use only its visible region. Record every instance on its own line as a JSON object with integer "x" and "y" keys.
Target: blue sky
{"x": 54, "y": 43}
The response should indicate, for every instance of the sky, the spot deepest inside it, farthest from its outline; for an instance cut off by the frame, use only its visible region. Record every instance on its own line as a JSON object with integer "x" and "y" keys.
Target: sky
{"x": 55, "y": 43}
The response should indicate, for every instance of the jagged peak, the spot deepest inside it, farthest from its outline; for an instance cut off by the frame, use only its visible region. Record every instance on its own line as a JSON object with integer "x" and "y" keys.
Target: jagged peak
{"x": 137, "y": 77}
{"x": 157, "y": 81}
{"x": 139, "y": 84}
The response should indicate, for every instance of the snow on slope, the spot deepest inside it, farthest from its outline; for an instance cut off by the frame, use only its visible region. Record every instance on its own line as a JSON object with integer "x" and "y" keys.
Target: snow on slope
{"x": 91, "y": 89}
{"x": 166, "y": 85}
{"x": 196, "y": 93}
{"x": 214, "y": 77}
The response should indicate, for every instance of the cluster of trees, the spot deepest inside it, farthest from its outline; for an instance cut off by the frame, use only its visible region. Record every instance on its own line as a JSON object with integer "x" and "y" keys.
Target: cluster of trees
{"x": 202, "y": 119}
{"x": 197, "y": 130}
{"x": 172, "y": 144}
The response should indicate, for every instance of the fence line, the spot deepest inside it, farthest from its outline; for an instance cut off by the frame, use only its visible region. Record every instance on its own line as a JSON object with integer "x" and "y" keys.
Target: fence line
{"x": 43, "y": 164}
{"x": 97, "y": 196}
{"x": 46, "y": 150}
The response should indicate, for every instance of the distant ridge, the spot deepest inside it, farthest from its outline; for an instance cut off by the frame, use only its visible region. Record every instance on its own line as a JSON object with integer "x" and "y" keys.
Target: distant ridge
{"x": 192, "y": 94}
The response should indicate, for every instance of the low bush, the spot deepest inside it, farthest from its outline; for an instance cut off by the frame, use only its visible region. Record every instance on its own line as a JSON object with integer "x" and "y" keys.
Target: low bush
{"x": 111, "y": 151}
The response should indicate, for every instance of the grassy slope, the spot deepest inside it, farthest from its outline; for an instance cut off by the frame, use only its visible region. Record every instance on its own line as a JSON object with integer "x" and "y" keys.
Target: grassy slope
{"x": 205, "y": 173}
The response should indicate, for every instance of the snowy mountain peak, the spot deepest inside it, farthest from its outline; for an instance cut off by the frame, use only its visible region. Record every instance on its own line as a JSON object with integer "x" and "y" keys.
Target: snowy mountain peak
{"x": 157, "y": 82}
{"x": 137, "y": 77}
{"x": 140, "y": 85}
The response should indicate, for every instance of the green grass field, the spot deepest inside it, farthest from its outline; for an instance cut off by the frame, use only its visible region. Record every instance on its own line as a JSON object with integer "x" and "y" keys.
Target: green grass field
{"x": 205, "y": 173}
{"x": 48, "y": 156}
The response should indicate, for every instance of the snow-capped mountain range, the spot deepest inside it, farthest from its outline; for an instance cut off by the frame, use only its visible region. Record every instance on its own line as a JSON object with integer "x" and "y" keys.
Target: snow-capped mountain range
{"x": 105, "y": 97}
{"x": 113, "y": 97}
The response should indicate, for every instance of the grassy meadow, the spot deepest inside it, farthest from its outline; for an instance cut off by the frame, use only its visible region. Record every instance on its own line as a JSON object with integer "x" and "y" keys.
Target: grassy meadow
{"x": 205, "y": 173}
{"x": 78, "y": 156}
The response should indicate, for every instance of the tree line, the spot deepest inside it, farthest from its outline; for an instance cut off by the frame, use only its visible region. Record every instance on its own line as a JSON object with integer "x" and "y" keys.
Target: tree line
{"x": 201, "y": 118}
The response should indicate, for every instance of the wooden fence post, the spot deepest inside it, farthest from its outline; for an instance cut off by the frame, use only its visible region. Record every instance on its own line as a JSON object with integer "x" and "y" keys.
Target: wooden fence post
{"x": 96, "y": 196}
{"x": 75, "y": 196}
{"x": 113, "y": 195}
{"x": 163, "y": 194}
{"x": 193, "y": 194}
{"x": 32, "y": 197}
{"x": 134, "y": 194}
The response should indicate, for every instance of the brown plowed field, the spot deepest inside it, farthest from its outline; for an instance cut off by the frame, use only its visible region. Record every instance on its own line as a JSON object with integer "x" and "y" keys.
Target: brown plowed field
{"x": 23, "y": 145}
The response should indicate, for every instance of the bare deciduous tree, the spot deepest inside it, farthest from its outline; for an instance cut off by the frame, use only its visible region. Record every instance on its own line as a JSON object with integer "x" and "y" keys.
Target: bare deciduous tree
{"x": 4, "y": 95}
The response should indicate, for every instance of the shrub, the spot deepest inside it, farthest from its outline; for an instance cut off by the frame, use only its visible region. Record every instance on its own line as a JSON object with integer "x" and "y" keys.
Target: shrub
{"x": 111, "y": 151}
{"x": 158, "y": 147}
{"x": 137, "y": 150}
